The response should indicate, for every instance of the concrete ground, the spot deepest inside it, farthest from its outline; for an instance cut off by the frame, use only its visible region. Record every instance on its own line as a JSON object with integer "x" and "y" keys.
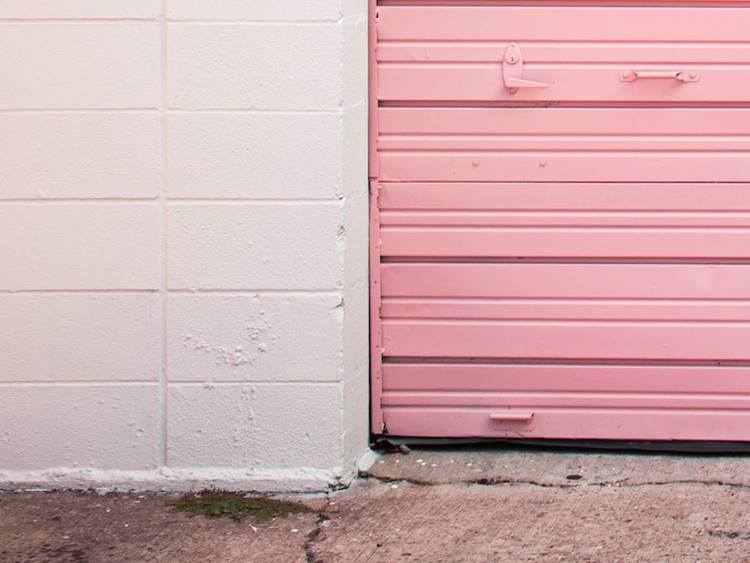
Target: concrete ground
{"x": 430, "y": 505}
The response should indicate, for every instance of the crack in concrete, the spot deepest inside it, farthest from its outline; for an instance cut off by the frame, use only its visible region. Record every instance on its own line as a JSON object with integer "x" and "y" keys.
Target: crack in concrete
{"x": 489, "y": 482}
{"x": 726, "y": 535}
{"x": 316, "y": 534}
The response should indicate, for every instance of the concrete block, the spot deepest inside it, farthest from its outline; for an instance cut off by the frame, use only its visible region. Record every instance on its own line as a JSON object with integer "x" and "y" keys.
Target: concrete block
{"x": 85, "y": 9}
{"x": 80, "y": 155}
{"x": 75, "y": 337}
{"x": 279, "y": 10}
{"x": 251, "y": 426}
{"x": 254, "y": 66}
{"x": 78, "y": 426}
{"x": 80, "y": 246}
{"x": 254, "y": 246}
{"x": 270, "y": 156}
{"x": 61, "y": 65}
{"x": 254, "y": 337}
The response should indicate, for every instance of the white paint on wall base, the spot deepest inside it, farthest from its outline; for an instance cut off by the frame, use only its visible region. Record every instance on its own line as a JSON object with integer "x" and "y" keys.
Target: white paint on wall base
{"x": 297, "y": 480}
{"x": 183, "y": 231}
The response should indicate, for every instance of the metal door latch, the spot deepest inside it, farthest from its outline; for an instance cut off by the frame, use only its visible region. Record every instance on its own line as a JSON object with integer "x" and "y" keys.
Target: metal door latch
{"x": 513, "y": 71}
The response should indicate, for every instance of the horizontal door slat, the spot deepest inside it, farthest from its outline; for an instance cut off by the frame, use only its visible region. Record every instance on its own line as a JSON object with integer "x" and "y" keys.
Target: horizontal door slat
{"x": 565, "y": 378}
{"x": 566, "y": 83}
{"x": 566, "y": 281}
{"x": 571, "y": 424}
{"x": 567, "y": 340}
{"x": 562, "y": 219}
{"x": 408, "y": 144}
{"x": 553, "y": 242}
{"x": 578, "y": 166}
{"x": 520, "y": 400}
{"x": 581, "y": 52}
{"x": 548, "y": 309}
{"x": 451, "y": 196}
{"x": 520, "y": 122}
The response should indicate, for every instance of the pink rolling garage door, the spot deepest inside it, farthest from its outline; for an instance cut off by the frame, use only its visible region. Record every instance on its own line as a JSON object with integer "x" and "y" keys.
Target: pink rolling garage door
{"x": 561, "y": 220}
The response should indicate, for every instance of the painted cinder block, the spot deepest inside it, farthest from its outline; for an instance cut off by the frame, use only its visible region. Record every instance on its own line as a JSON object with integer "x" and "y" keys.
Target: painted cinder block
{"x": 254, "y": 426}
{"x": 264, "y": 246}
{"x": 80, "y": 246}
{"x": 86, "y": 9}
{"x": 210, "y": 426}
{"x": 254, "y": 66}
{"x": 271, "y": 156}
{"x": 306, "y": 419}
{"x": 80, "y": 337}
{"x": 79, "y": 65}
{"x": 284, "y": 10}
{"x": 256, "y": 380}
{"x": 78, "y": 426}
{"x": 254, "y": 337}
{"x": 80, "y": 155}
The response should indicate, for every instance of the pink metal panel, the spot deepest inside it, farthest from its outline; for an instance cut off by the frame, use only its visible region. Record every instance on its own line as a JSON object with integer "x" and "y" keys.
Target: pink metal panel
{"x": 558, "y": 242}
{"x": 530, "y": 401}
{"x": 562, "y": 219}
{"x": 570, "y": 423}
{"x": 578, "y": 166}
{"x": 566, "y": 281}
{"x": 561, "y": 233}
{"x": 549, "y": 309}
{"x": 518, "y": 122}
{"x": 444, "y": 53}
{"x": 567, "y": 340}
{"x": 498, "y": 378}
{"x": 410, "y": 51}
{"x": 480, "y": 82}
{"x": 565, "y": 144}
{"x": 440, "y": 196}
{"x": 562, "y": 23}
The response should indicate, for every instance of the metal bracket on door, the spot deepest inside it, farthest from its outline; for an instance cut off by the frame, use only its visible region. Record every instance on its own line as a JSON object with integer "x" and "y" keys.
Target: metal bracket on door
{"x": 513, "y": 71}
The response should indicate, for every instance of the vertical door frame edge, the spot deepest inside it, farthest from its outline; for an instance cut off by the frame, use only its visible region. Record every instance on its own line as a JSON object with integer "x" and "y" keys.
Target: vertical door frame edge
{"x": 377, "y": 423}
{"x": 376, "y": 336}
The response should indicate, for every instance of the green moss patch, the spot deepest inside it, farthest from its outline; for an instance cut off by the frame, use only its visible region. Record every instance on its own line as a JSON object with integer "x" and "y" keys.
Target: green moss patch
{"x": 224, "y": 504}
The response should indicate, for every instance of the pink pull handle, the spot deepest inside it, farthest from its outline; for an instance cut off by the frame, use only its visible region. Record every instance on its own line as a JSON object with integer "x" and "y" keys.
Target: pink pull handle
{"x": 681, "y": 75}
{"x": 511, "y": 416}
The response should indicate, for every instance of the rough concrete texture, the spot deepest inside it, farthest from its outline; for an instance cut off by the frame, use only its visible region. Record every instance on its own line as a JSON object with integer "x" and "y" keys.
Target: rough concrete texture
{"x": 487, "y": 465}
{"x": 471, "y": 506}
{"x": 465, "y": 522}
{"x": 78, "y": 527}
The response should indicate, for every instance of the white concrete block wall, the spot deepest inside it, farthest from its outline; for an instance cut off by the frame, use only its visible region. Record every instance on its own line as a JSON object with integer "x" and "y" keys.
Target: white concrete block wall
{"x": 183, "y": 232}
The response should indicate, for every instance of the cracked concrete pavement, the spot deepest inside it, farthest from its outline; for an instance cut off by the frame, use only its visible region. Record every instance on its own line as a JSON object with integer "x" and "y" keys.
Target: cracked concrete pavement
{"x": 465, "y": 504}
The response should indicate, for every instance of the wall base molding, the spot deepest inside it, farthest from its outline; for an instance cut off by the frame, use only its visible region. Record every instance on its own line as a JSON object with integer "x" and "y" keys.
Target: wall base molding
{"x": 166, "y": 479}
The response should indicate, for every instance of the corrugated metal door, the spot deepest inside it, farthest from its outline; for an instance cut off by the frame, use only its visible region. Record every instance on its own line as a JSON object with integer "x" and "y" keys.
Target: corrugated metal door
{"x": 561, "y": 220}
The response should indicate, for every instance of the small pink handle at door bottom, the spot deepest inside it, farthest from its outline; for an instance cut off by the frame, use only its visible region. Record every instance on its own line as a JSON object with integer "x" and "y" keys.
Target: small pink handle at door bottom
{"x": 681, "y": 75}
{"x": 512, "y": 416}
